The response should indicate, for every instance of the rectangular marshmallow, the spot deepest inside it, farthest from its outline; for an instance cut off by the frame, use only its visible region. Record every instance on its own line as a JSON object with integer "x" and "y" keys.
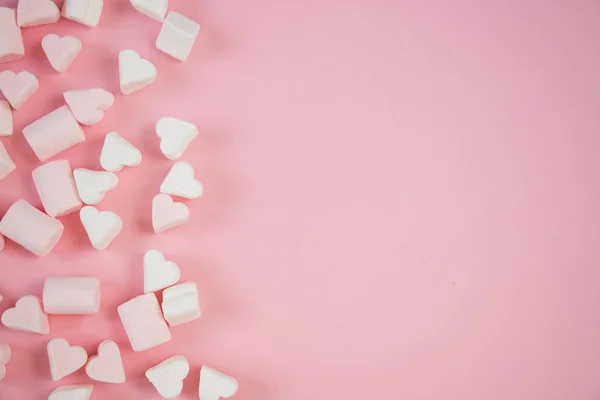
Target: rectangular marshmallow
{"x": 143, "y": 322}
{"x": 11, "y": 41}
{"x": 71, "y": 296}
{"x": 6, "y": 164}
{"x": 180, "y": 304}
{"x": 86, "y": 12}
{"x": 31, "y": 228}
{"x": 53, "y": 133}
{"x": 56, "y": 187}
{"x": 177, "y": 36}
{"x": 6, "y": 119}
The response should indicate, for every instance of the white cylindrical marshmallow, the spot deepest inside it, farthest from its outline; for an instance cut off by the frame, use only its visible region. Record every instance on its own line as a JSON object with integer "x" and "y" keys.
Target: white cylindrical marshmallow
{"x": 31, "y": 228}
{"x": 143, "y": 322}
{"x": 71, "y": 296}
{"x": 180, "y": 303}
{"x": 55, "y": 185}
{"x": 11, "y": 41}
{"x": 6, "y": 164}
{"x": 53, "y": 133}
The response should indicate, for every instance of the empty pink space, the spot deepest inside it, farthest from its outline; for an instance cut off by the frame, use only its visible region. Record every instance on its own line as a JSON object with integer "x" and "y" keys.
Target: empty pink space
{"x": 402, "y": 199}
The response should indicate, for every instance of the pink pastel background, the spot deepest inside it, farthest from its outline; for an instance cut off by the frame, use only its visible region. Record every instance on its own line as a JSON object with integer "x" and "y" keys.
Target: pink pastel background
{"x": 402, "y": 199}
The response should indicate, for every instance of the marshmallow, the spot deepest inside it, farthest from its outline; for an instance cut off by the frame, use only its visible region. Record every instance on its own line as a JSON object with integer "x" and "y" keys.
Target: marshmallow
{"x": 180, "y": 182}
{"x": 6, "y": 164}
{"x": 143, "y": 322}
{"x": 72, "y": 392}
{"x": 158, "y": 272}
{"x": 64, "y": 359}
{"x": 56, "y": 188}
{"x": 6, "y": 120}
{"x": 5, "y": 354}
{"x": 118, "y": 152}
{"x": 175, "y": 136}
{"x": 102, "y": 227}
{"x": 53, "y": 133}
{"x": 88, "y": 106}
{"x": 71, "y": 296}
{"x": 215, "y": 385}
{"x": 31, "y": 228}
{"x": 86, "y": 12}
{"x": 1, "y": 248}
{"x": 167, "y": 377}
{"x": 36, "y": 12}
{"x": 167, "y": 214}
{"x": 61, "y": 51}
{"x": 177, "y": 36}
{"x": 180, "y": 304}
{"x": 135, "y": 72}
{"x": 92, "y": 185}
{"x": 107, "y": 366}
{"x": 27, "y": 316}
{"x": 11, "y": 41}
{"x": 156, "y": 9}
{"x": 18, "y": 88}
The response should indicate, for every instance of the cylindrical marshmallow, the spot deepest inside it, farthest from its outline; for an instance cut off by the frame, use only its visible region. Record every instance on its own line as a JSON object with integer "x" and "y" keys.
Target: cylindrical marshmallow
{"x": 180, "y": 303}
{"x": 143, "y": 322}
{"x": 71, "y": 296}
{"x": 55, "y": 185}
{"x": 53, "y": 133}
{"x": 11, "y": 41}
{"x": 31, "y": 228}
{"x": 6, "y": 164}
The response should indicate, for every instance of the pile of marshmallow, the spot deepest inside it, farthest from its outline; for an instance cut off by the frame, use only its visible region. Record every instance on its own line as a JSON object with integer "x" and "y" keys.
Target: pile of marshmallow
{"x": 63, "y": 191}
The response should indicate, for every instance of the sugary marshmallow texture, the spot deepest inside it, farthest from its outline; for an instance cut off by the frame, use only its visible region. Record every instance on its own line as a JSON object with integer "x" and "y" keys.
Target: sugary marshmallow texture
{"x": 177, "y": 36}
{"x": 102, "y": 227}
{"x": 61, "y": 51}
{"x": 118, "y": 153}
{"x": 175, "y": 136}
{"x": 156, "y": 9}
{"x": 143, "y": 322}
{"x": 64, "y": 295}
{"x": 180, "y": 303}
{"x": 180, "y": 182}
{"x": 215, "y": 385}
{"x": 167, "y": 214}
{"x": 6, "y": 163}
{"x": 27, "y": 315}
{"x": 5, "y": 354}
{"x": 31, "y": 228}
{"x": 64, "y": 359}
{"x": 86, "y": 12}
{"x": 107, "y": 365}
{"x": 6, "y": 120}
{"x": 54, "y": 133}
{"x": 135, "y": 72}
{"x": 72, "y": 392}
{"x": 88, "y": 106}
{"x": 92, "y": 185}
{"x": 37, "y": 12}
{"x": 159, "y": 273}
{"x": 56, "y": 188}
{"x": 167, "y": 377}
{"x": 11, "y": 40}
{"x": 18, "y": 87}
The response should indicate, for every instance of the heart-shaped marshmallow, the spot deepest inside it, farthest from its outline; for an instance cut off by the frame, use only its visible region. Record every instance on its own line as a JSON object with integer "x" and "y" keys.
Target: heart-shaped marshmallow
{"x": 215, "y": 385}
{"x": 64, "y": 359}
{"x": 88, "y": 106}
{"x": 135, "y": 72}
{"x": 101, "y": 226}
{"x": 158, "y": 272}
{"x": 180, "y": 182}
{"x": 107, "y": 366}
{"x": 5, "y": 354}
{"x": 92, "y": 185}
{"x": 61, "y": 51}
{"x": 18, "y": 88}
{"x": 118, "y": 152}
{"x": 167, "y": 214}
{"x": 36, "y": 12}
{"x": 6, "y": 120}
{"x": 175, "y": 136}
{"x": 72, "y": 392}
{"x": 167, "y": 377}
{"x": 27, "y": 316}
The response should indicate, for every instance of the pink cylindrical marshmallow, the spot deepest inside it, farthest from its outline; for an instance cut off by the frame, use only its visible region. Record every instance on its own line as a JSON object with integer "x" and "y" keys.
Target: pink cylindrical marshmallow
{"x": 11, "y": 40}
{"x": 53, "y": 133}
{"x": 6, "y": 164}
{"x": 31, "y": 228}
{"x": 55, "y": 185}
{"x": 71, "y": 296}
{"x": 143, "y": 322}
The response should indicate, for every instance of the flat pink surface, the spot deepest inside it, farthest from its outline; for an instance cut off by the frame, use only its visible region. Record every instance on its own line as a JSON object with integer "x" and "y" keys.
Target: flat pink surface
{"x": 402, "y": 199}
